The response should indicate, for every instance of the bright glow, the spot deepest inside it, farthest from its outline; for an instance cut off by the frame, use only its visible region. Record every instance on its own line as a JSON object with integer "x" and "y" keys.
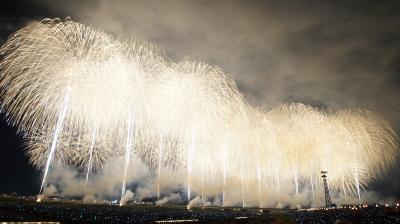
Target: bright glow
{"x": 81, "y": 97}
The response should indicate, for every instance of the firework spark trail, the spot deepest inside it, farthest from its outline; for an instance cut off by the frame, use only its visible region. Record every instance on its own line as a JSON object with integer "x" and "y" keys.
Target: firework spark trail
{"x": 224, "y": 174}
{"x": 194, "y": 105}
{"x": 203, "y": 199}
{"x": 160, "y": 151}
{"x": 243, "y": 188}
{"x": 344, "y": 191}
{"x": 357, "y": 183}
{"x": 57, "y": 131}
{"x": 312, "y": 188}
{"x": 259, "y": 185}
{"x": 128, "y": 147}
{"x": 278, "y": 186}
{"x": 190, "y": 162}
{"x": 91, "y": 154}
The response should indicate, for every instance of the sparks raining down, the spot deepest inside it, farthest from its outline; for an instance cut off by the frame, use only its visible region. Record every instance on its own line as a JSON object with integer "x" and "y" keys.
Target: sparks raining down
{"x": 80, "y": 97}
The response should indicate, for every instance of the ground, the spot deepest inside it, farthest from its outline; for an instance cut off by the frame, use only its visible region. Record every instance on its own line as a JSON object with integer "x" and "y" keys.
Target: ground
{"x": 27, "y": 209}
{"x": 19, "y": 209}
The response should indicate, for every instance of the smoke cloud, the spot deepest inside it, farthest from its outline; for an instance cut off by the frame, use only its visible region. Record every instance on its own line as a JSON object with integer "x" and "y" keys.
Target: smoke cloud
{"x": 105, "y": 184}
{"x": 173, "y": 198}
{"x": 128, "y": 195}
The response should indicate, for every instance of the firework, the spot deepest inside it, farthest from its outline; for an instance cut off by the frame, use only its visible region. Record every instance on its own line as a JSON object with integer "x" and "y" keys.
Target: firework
{"x": 81, "y": 97}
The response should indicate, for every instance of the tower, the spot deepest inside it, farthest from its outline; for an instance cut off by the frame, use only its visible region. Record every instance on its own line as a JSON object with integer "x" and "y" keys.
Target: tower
{"x": 328, "y": 201}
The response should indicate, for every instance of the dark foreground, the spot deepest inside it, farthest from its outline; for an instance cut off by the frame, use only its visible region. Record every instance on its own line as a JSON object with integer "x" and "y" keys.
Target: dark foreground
{"x": 370, "y": 214}
{"x": 27, "y": 210}
{"x": 19, "y": 210}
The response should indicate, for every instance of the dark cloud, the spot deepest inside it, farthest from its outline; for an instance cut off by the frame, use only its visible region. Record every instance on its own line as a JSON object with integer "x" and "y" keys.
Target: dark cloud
{"x": 341, "y": 54}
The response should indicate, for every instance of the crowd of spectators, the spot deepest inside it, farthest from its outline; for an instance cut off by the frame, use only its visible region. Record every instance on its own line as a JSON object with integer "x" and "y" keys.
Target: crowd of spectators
{"x": 77, "y": 212}
{"x": 93, "y": 213}
{"x": 345, "y": 215}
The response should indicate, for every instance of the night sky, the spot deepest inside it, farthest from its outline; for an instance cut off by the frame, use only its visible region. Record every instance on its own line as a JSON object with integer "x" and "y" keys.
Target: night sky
{"x": 340, "y": 54}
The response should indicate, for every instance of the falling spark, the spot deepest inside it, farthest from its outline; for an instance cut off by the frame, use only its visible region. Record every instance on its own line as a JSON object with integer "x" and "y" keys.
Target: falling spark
{"x": 57, "y": 131}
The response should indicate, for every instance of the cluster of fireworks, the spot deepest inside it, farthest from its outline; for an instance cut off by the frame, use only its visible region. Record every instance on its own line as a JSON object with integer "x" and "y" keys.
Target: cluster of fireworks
{"x": 81, "y": 97}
